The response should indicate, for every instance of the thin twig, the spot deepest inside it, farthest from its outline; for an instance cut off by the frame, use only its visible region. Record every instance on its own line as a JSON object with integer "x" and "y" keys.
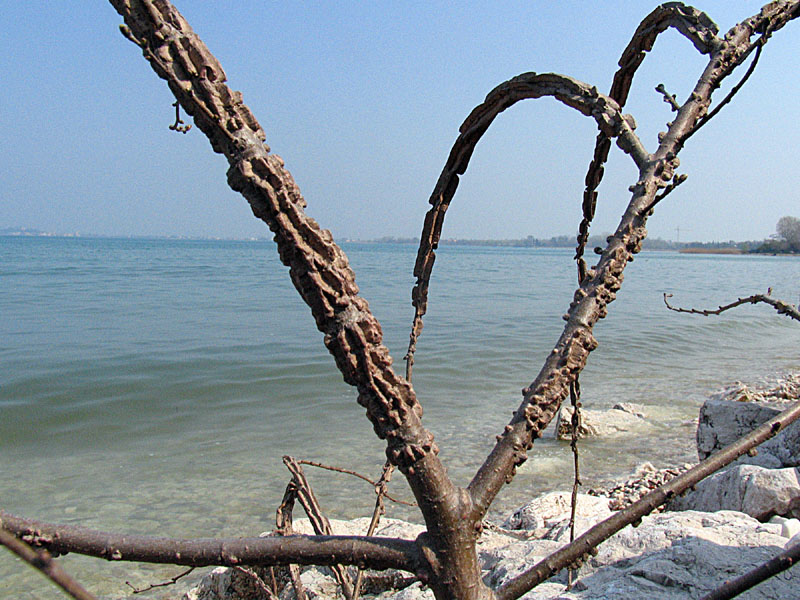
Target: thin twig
{"x": 574, "y": 394}
{"x": 172, "y": 581}
{"x": 44, "y": 562}
{"x": 319, "y": 521}
{"x": 273, "y": 580}
{"x": 668, "y": 98}
{"x": 783, "y": 308}
{"x": 730, "y": 95}
{"x": 775, "y": 565}
{"x": 179, "y": 125}
{"x": 319, "y": 465}
{"x": 677, "y": 179}
{"x": 283, "y": 524}
{"x": 380, "y": 509}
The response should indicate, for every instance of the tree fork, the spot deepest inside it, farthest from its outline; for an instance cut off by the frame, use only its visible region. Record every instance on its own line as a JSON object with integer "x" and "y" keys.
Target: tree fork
{"x": 444, "y": 556}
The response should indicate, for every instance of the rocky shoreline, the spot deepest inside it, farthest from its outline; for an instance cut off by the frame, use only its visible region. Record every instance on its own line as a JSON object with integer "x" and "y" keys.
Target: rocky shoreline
{"x": 732, "y": 521}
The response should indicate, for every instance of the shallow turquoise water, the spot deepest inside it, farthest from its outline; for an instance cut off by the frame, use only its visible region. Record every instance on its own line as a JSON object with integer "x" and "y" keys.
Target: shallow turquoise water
{"x": 153, "y": 385}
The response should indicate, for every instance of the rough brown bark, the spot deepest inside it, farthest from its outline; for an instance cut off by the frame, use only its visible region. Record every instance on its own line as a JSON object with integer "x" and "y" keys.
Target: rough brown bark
{"x": 444, "y": 556}
{"x": 321, "y": 274}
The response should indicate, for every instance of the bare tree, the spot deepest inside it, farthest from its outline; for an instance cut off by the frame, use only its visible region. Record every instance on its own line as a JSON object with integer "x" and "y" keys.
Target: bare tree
{"x": 445, "y": 555}
{"x": 788, "y": 228}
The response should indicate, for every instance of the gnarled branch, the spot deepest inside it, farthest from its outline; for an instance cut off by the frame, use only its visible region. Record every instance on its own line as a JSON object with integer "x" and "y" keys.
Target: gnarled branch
{"x": 445, "y": 555}
{"x": 318, "y": 267}
{"x": 575, "y": 94}
{"x": 542, "y": 399}
{"x": 693, "y": 24}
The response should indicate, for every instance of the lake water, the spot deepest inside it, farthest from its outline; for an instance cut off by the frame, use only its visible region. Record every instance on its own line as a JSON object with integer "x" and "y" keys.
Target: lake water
{"x": 152, "y": 386}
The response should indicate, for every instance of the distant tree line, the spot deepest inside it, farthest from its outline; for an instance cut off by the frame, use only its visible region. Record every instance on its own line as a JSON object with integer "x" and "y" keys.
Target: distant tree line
{"x": 786, "y": 240}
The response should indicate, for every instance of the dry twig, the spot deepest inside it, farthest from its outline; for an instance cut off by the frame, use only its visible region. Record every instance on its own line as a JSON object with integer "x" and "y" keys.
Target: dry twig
{"x": 283, "y": 524}
{"x": 320, "y": 465}
{"x": 380, "y": 492}
{"x": 319, "y": 521}
{"x": 171, "y": 581}
{"x": 575, "y": 395}
{"x": 668, "y": 98}
{"x": 783, "y": 308}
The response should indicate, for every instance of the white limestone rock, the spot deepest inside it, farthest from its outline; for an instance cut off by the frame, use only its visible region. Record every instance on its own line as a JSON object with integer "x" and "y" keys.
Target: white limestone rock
{"x": 680, "y": 555}
{"x": 386, "y": 527}
{"x": 756, "y": 491}
{"x": 318, "y": 583}
{"x": 223, "y": 583}
{"x": 790, "y": 528}
{"x": 670, "y": 556}
{"x": 738, "y": 409}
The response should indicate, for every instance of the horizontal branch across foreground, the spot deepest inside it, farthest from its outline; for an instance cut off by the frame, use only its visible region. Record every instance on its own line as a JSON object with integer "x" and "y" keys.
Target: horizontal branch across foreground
{"x": 378, "y": 553}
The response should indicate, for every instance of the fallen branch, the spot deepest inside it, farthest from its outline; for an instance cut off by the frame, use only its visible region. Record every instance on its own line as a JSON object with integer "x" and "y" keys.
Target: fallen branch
{"x": 379, "y": 553}
{"x": 588, "y": 542}
{"x": 783, "y": 308}
{"x": 43, "y": 561}
{"x": 775, "y": 565}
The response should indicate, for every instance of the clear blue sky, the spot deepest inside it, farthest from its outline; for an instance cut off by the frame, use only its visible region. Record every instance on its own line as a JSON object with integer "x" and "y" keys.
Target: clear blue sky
{"x": 363, "y": 101}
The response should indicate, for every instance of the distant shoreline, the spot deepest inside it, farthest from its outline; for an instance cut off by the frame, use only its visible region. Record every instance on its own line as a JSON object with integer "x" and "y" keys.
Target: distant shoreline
{"x": 695, "y": 250}
{"x": 563, "y": 241}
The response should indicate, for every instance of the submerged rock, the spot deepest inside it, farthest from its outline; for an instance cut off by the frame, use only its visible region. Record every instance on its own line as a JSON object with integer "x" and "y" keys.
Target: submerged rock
{"x": 601, "y": 423}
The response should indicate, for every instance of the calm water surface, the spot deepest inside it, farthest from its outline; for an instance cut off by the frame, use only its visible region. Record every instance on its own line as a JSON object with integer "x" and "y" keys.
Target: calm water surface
{"x": 152, "y": 386}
